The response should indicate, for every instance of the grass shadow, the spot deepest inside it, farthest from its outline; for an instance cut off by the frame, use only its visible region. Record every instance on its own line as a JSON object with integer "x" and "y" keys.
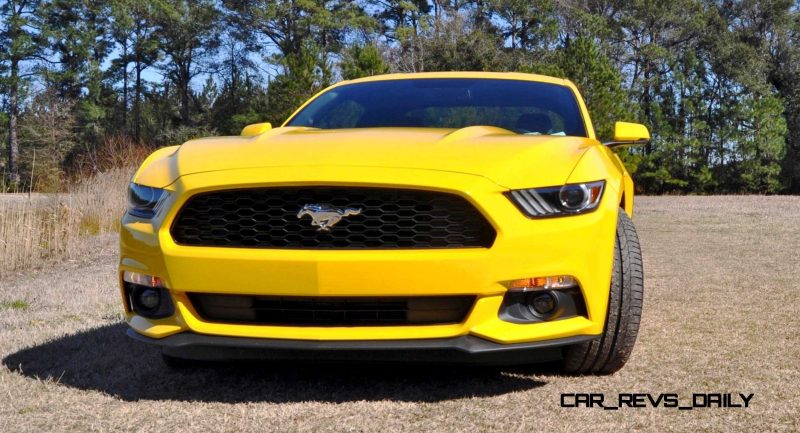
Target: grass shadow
{"x": 104, "y": 359}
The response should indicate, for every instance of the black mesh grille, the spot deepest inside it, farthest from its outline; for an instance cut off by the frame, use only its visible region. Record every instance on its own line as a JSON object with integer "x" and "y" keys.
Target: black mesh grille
{"x": 389, "y": 218}
{"x": 332, "y": 311}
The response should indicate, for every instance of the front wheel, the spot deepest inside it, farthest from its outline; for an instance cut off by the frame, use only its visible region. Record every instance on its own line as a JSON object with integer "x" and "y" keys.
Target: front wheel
{"x": 610, "y": 352}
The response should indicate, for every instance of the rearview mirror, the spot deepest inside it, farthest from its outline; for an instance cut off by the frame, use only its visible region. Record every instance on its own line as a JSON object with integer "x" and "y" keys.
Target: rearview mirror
{"x": 256, "y": 129}
{"x": 629, "y": 134}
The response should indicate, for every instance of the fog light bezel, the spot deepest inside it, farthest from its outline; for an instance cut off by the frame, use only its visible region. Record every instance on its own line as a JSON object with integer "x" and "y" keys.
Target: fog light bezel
{"x": 515, "y": 307}
{"x": 135, "y": 283}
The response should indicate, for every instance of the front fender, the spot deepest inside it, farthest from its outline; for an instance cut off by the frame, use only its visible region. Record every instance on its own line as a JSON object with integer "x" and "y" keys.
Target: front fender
{"x": 158, "y": 170}
{"x": 600, "y": 163}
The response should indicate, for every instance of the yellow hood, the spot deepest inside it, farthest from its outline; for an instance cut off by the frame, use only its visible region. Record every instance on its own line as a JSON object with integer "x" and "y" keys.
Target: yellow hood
{"x": 510, "y": 160}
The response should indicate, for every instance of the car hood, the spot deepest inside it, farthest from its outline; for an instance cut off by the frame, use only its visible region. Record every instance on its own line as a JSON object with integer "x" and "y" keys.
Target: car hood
{"x": 509, "y": 159}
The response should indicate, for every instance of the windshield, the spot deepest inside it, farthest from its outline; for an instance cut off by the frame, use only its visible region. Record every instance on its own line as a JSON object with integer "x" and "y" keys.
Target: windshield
{"x": 525, "y": 107}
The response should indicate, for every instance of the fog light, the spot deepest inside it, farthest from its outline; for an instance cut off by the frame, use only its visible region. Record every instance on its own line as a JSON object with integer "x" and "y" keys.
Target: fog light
{"x": 555, "y": 282}
{"x": 149, "y": 299}
{"x": 543, "y": 303}
{"x": 147, "y": 295}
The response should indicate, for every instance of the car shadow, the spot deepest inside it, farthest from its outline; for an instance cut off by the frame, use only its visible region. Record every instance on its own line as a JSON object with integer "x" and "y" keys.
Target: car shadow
{"x": 104, "y": 359}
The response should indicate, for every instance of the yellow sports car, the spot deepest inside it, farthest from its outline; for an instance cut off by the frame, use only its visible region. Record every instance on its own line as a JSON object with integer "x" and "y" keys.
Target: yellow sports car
{"x": 451, "y": 217}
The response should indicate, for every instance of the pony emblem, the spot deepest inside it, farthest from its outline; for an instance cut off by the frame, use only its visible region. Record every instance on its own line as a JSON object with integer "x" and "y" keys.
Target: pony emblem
{"x": 324, "y": 217}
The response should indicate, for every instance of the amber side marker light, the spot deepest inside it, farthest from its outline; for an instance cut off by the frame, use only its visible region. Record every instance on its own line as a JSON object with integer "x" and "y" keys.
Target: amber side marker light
{"x": 556, "y": 282}
{"x": 142, "y": 279}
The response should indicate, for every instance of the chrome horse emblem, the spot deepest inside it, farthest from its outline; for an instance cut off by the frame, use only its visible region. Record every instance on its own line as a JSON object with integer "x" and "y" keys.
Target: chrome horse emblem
{"x": 324, "y": 217}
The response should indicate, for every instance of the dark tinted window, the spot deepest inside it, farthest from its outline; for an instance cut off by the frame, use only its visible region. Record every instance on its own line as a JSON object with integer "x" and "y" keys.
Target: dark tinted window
{"x": 526, "y": 107}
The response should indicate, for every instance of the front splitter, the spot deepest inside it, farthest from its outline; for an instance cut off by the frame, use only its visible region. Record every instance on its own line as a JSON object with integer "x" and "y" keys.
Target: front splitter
{"x": 459, "y": 350}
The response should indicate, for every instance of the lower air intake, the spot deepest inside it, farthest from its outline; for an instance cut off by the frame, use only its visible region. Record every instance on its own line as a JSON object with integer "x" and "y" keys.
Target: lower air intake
{"x": 332, "y": 311}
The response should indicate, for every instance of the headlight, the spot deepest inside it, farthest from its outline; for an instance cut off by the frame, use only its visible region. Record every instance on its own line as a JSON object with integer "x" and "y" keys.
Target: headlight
{"x": 569, "y": 199}
{"x": 144, "y": 201}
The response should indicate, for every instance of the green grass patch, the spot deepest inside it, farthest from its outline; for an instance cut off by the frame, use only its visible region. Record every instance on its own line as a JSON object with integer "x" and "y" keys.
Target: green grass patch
{"x": 17, "y": 304}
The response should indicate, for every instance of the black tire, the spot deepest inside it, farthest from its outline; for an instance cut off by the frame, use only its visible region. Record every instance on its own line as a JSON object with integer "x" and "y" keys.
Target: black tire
{"x": 610, "y": 352}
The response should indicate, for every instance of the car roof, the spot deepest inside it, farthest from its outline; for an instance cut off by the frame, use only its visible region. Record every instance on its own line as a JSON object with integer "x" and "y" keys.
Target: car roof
{"x": 463, "y": 74}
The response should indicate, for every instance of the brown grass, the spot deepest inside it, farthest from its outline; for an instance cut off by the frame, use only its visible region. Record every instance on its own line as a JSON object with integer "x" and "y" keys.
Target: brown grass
{"x": 41, "y": 228}
{"x": 721, "y": 315}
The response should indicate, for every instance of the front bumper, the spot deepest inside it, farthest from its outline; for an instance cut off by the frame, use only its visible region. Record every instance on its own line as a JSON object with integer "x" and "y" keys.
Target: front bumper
{"x": 457, "y": 350}
{"x": 580, "y": 245}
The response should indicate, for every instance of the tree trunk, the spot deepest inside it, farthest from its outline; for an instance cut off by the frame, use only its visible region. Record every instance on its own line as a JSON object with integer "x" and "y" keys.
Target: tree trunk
{"x": 13, "y": 113}
{"x": 184, "y": 77}
{"x": 137, "y": 96}
{"x": 125, "y": 61}
{"x": 184, "y": 90}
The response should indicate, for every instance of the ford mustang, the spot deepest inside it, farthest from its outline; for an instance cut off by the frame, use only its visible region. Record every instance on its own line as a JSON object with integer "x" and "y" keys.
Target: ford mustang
{"x": 434, "y": 217}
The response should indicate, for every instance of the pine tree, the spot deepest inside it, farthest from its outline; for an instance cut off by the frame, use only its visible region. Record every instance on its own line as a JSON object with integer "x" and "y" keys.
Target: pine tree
{"x": 304, "y": 74}
{"x": 19, "y": 46}
{"x": 78, "y": 32}
{"x": 362, "y": 61}
{"x": 189, "y": 35}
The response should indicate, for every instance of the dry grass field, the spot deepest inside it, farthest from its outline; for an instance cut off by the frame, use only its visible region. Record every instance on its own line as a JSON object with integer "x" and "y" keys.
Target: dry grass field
{"x": 721, "y": 315}
{"x": 40, "y": 229}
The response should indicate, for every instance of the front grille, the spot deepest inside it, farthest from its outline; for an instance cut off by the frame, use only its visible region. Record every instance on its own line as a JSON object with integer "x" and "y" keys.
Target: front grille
{"x": 389, "y": 218}
{"x": 332, "y": 311}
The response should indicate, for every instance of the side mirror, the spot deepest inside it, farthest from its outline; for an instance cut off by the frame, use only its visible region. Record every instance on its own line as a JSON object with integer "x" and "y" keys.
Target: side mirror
{"x": 629, "y": 134}
{"x": 256, "y": 129}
